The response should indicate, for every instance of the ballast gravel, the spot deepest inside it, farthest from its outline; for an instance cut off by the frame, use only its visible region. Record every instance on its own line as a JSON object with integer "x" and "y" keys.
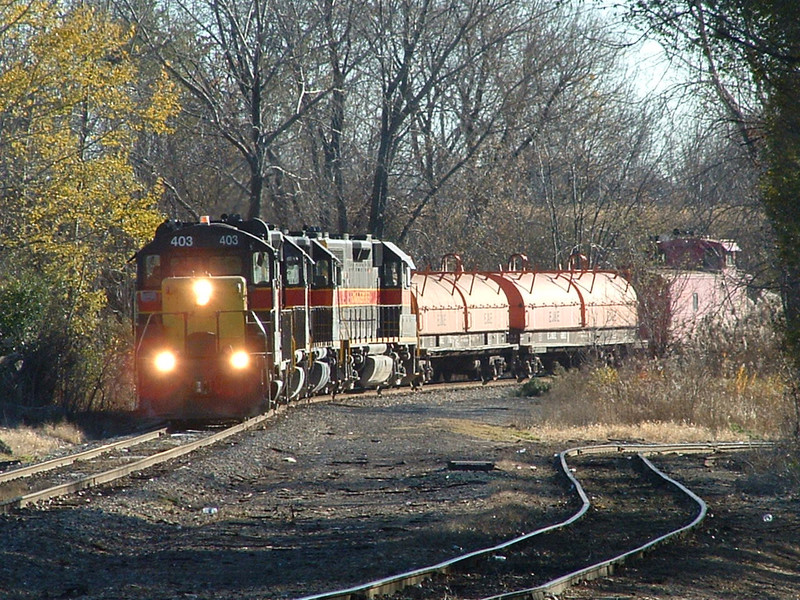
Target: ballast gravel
{"x": 325, "y": 496}
{"x": 334, "y": 494}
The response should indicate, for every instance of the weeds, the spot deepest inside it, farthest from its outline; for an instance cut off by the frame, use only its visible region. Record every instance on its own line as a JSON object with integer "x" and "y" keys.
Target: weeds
{"x": 667, "y": 391}
{"x": 674, "y": 391}
{"x": 535, "y": 387}
{"x": 32, "y": 443}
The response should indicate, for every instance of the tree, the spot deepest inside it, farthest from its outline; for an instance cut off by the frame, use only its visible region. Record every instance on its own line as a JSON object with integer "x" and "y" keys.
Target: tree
{"x": 420, "y": 50}
{"x": 250, "y": 68}
{"x": 765, "y": 36}
{"x": 71, "y": 207}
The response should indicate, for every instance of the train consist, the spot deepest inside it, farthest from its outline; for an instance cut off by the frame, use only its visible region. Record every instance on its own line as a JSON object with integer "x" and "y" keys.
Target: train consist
{"x": 233, "y": 316}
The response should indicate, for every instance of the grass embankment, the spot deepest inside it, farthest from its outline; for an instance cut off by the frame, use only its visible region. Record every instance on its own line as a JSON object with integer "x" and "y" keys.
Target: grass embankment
{"x": 663, "y": 401}
{"x": 32, "y": 443}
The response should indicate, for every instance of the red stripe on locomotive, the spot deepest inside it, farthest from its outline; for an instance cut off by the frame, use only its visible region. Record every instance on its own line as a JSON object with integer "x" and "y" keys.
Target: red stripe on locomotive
{"x": 391, "y": 297}
{"x": 357, "y": 297}
{"x": 260, "y": 299}
{"x": 294, "y": 296}
{"x": 321, "y": 297}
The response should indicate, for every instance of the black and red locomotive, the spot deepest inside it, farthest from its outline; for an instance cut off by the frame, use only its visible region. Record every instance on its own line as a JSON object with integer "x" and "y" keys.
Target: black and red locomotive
{"x": 232, "y": 316}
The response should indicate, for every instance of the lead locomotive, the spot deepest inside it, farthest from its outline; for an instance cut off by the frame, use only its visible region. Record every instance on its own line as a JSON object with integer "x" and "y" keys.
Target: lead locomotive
{"x": 233, "y": 316}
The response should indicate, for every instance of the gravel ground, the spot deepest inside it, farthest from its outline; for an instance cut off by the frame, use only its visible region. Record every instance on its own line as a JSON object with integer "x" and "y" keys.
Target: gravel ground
{"x": 335, "y": 494}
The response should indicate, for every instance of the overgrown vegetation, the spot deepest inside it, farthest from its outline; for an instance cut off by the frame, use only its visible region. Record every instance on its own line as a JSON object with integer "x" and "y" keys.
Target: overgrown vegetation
{"x": 73, "y": 105}
{"x": 721, "y": 383}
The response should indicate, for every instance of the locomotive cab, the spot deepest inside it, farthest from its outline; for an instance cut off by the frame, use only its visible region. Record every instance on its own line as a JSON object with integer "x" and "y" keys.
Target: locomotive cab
{"x": 204, "y": 325}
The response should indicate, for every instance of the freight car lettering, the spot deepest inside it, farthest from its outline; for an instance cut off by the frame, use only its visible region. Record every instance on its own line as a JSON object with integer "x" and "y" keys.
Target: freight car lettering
{"x": 182, "y": 241}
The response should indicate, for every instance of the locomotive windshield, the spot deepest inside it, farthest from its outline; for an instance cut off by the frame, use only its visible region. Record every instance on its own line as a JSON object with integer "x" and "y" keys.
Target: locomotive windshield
{"x": 152, "y": 270}
{"x": 261, "y": 271}
{"x": 293, "y": 270}
{"x": 392, "y": 273}
{"x": 322, "y": 269}
{"x": 215, "y": 265}
{"x": 154, "y": 267}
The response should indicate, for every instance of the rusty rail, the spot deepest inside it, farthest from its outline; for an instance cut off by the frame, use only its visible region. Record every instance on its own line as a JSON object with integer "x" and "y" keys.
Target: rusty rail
{"x": 392, "y": 584}
{"x": 113, "y": 474}
{"x": 63, "y": 461}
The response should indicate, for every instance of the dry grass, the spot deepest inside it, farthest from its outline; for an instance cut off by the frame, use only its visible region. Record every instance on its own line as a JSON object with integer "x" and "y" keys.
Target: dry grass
{"x": 557, "y": 433}
{"x": 647, "y": 432}
{"x": 29, "y": 444}
{"x": 666, "y": 400}
{"x": 483, "y": 431}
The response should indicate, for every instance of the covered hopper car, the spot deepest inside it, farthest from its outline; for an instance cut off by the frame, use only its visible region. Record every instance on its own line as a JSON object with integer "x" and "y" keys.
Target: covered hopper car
{"x": 515, "y": 320}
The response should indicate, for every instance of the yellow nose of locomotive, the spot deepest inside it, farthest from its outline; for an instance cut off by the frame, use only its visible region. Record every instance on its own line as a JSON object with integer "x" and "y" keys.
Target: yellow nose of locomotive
{"x": 207, "y": 305}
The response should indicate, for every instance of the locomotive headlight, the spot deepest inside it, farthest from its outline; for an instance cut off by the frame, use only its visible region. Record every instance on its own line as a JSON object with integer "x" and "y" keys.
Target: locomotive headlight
{"x": 240, "y": 360}
{"x": 165, "y": 361}
{"x": 202, "y": 291}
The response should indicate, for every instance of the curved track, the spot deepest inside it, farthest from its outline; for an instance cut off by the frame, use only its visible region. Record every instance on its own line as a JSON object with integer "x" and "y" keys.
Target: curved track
{"x": 476, "y": 562}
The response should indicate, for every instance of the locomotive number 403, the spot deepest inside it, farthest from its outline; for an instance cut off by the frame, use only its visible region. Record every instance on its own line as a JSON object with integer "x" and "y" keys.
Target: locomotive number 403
{"x": 187, "y": 241}
{"x": 182, "y": 241}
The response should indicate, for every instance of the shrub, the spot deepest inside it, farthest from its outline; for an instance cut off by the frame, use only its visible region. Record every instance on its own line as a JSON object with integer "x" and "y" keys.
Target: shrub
{"x": 55, "y": 366}
{"x": 535, "y": 387}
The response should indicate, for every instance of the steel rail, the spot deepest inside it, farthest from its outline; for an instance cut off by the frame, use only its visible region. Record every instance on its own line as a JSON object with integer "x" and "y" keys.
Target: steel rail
{"x": 63, "y": 461}
{"x": 395, "y": 583}
{"x": 139, "y": 465}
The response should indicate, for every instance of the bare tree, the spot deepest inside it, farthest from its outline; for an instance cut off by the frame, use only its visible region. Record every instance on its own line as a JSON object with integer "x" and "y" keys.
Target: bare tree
{"x": 248, "y": 66}
{"x": 421, "y": 49}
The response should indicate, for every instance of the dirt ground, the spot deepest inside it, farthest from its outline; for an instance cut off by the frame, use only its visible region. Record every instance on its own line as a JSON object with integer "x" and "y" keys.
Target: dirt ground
{"x": 336, "y": 494}
{"x": 747, "y": 547}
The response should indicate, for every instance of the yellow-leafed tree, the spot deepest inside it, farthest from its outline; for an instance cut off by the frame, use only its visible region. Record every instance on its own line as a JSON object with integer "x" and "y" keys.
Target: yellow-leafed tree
{"x": 73, "y": 107}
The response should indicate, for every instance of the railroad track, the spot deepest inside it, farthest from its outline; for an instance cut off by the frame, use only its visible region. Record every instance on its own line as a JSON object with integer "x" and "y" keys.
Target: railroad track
{"x": 547, "y": 561}
{"x": 83, "y": 470}
{"x": 20, "y": 487}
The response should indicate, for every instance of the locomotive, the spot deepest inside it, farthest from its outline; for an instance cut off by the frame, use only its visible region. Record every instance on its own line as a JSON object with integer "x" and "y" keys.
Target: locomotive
{"x": 233, "y": 316}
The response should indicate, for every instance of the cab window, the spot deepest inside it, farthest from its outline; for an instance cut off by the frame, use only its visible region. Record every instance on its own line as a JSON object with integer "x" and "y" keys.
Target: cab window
{"x": 261, "y": 271}
{"x": 152, "y": 270}
{"x": 322, "y": 276}
{"x": 392, "y": 274}
{"x": 224, "y": 265}
{"x": 293, "y": 270}
{"x": 183, "y": 266}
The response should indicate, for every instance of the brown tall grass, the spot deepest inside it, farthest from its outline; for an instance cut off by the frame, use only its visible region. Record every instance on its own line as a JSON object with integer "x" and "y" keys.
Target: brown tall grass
{"x": 675, "y": 391}
{"x": 33, "y": 443}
